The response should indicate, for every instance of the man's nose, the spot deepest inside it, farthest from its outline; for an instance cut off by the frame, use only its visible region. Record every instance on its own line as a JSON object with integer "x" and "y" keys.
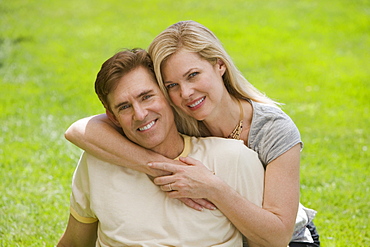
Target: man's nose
{"x": 140, "y": 112}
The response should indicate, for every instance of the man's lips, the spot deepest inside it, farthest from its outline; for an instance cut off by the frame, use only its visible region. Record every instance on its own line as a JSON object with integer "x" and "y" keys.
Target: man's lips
{"x": 148, "y": 126}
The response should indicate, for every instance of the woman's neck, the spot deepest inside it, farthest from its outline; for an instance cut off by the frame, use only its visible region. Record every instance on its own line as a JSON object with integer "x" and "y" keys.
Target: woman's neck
{"x": 224, "y": 121}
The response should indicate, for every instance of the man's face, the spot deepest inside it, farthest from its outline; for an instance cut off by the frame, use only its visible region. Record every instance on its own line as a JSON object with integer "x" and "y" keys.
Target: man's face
{"x": 141, "y": 110}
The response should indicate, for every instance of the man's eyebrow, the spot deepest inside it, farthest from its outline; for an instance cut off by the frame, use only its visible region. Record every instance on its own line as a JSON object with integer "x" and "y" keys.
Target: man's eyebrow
{"x": 120, "y": 104}
{"x": 138, "y": 96}
{"x": 145, "y": 93}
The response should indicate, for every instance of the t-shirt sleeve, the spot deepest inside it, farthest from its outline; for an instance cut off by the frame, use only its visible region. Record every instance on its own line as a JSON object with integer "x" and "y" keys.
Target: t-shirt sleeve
{"x": 273, "y": 133}
{"x": 281, "y": 136}
{"x": 80, "y": 198}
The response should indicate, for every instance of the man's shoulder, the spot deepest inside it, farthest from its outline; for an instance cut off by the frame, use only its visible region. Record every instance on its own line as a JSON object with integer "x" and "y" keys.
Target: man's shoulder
{"x": 93, "y": 162}
{"x": 228, "y": 151}
{"x": 218, "y": 144}
{"x": 89, "y": 158}
{"x": 216, "y": 140}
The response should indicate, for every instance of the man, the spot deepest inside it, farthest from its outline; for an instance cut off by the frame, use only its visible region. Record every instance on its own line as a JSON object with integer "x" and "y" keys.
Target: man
{"x": 116, "y": 206}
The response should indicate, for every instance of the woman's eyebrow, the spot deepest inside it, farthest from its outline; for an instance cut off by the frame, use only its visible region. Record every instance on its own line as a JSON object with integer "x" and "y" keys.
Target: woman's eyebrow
{"x": 187, "y": 72}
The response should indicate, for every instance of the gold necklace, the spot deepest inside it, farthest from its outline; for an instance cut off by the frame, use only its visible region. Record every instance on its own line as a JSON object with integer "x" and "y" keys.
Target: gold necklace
{"x": 235, "y": 134}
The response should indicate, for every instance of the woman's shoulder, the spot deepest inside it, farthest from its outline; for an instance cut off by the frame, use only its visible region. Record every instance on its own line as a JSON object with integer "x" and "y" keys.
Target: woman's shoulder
{"x": 265, "y": 115}
{"x": 267, "y": 111}
{"x": 271, "y": 132}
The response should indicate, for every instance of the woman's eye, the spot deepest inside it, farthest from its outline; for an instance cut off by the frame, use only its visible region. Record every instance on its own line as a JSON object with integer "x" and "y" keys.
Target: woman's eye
{"x": 171, "y": 85}
{"x": 193, "y": 74}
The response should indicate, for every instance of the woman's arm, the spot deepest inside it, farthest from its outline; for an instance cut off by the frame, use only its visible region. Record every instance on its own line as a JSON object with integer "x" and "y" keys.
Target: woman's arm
{"x": 271, "y": 225}
{"x": 99, "y": 136}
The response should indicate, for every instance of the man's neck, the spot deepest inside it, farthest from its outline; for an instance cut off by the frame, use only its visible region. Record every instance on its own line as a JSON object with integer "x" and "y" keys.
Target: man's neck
{"x": 171, "y": 148}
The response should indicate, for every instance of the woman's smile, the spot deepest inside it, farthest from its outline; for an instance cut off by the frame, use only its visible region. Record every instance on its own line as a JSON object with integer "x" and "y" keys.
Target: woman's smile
{"x": 198, "y": 103}
{"x": 198, "y": 88}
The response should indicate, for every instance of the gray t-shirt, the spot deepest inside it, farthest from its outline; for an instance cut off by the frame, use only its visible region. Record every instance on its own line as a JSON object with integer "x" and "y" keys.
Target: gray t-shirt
{"x": 272, "y": 132}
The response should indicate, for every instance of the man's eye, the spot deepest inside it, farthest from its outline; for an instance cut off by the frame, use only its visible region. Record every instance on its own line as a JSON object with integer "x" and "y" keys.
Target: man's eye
{"x": 147, "y": 97}
{"x": 123, "y": 107}
{"x": 171, "y": 85}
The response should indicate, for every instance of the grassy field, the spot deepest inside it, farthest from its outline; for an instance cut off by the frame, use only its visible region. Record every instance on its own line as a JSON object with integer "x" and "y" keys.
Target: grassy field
{"x": 311, "y": 55}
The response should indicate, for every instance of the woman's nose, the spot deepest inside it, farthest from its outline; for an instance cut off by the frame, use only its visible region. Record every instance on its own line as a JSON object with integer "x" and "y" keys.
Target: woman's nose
{"x": 186, "y": 90}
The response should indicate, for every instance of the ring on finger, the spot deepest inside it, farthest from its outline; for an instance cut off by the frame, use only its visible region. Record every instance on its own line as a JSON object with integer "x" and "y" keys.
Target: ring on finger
{"x": 170, "y": 187}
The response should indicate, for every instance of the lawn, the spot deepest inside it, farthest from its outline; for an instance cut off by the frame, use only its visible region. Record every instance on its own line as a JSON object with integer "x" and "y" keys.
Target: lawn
{"x": 313, "y": 56}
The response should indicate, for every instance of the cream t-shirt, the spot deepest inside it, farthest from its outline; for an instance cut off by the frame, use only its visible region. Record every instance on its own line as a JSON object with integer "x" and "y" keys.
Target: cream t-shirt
{"x": 132, "y": 211}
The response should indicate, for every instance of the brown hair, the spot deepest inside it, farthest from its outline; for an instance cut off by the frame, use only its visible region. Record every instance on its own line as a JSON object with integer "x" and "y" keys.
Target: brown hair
{"x": 117, "y": 66}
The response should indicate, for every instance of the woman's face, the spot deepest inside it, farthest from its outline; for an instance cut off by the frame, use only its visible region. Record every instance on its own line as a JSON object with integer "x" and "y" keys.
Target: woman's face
{"x": 194, "y": 84}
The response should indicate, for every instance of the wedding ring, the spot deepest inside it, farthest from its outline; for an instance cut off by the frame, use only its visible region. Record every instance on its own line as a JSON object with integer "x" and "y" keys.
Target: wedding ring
{"x": 170, "y": 187}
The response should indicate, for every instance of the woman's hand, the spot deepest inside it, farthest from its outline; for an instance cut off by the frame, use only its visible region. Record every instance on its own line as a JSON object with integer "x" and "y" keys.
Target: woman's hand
{"x": 168, "y": 171}
{"x": 191, "y": 181}
{"x": 197, "y": 204}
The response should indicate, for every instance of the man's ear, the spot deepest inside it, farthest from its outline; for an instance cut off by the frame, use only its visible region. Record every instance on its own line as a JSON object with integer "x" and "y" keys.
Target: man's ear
{"x": 221, "y": 66}
{"x": 112, "y": 118}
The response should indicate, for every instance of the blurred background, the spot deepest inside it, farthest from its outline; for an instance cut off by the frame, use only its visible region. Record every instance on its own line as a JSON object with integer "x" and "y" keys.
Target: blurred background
{"x": 311, "y": 55}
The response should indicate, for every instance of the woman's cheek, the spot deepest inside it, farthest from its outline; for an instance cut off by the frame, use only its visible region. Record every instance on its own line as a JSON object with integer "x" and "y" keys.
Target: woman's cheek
{"x": 176, "y": 100}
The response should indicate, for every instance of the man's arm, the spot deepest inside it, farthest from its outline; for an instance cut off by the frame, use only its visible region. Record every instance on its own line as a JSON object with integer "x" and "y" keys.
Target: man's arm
{"x": 79, "y": 234}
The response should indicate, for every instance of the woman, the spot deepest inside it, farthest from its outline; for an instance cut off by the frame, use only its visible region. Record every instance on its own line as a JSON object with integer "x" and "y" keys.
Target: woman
{"x": 212, "y": 98}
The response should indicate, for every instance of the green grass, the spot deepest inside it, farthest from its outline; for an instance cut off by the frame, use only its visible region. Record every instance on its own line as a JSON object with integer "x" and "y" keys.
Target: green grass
{"x": 311, "y": 55}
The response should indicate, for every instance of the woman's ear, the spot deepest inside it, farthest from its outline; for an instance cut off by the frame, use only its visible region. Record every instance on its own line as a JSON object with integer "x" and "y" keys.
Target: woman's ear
{"x": 112, "y": 118}
{"x": 221, "y": 66}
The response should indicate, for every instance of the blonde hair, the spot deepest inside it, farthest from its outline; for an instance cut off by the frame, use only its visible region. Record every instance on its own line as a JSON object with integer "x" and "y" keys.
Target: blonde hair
{"x": 195, "y": 37}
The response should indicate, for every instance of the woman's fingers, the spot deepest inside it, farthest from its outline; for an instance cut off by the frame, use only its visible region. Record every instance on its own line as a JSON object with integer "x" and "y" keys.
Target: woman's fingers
{"x": 205, "y": 203}
{"x": 191, "y": 203}
{"x": 193, "y": 180}
{"x": 167, "y": 167}
{"x": 189, "y": 160}
{"x": 164, "y": 180}
{"x": 167, "y": 187}
{"x": 164, "y": 166}
{"x": 158, "y": 173}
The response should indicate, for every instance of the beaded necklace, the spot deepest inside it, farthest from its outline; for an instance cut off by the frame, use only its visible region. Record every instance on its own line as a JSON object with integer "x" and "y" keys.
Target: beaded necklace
{"x": 235, "y": 134}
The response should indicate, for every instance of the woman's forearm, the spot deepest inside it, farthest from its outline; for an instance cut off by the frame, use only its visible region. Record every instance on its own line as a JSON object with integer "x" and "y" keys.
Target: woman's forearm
{"x": 269, "y": 225}
{"x": 273, "y": 224}
{"x": 259, "y": 225}
{"x": 98, "y": 136}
